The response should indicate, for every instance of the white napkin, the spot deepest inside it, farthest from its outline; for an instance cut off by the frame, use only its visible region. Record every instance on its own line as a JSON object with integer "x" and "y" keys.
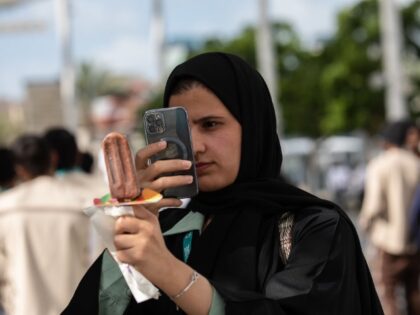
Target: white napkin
{"x": 103, "y": 220}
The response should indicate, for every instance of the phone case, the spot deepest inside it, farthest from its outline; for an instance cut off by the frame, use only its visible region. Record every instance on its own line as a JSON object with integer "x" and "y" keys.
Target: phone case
{"x": 171, "y": 125}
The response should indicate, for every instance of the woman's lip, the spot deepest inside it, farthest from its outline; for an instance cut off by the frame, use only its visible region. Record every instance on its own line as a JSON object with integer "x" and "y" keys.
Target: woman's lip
{"x": 201, "y": 166}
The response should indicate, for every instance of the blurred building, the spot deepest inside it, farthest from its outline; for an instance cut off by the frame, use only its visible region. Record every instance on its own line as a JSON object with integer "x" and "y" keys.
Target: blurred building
{"x": 42, "y": 106}
{"x": 11, "y": 119}
{"x": 12, "y": 111}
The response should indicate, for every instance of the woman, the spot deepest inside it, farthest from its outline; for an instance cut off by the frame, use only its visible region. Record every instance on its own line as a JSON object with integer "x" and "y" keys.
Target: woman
{"x": 258, "y": 245}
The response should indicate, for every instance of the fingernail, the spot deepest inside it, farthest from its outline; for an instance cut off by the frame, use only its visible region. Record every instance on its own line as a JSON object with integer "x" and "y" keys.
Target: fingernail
{"x": 186, "y": 164}
{"x": 190, "y": 179}
{"x": 162, "y": 144}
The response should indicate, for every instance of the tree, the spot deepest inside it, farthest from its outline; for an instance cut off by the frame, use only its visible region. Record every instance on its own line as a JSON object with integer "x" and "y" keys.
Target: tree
{"x": 242, "y": 45}
{"x": 91, "y": 82}
{"x": 352, "y": 63}
{"x": 299, "y": 88}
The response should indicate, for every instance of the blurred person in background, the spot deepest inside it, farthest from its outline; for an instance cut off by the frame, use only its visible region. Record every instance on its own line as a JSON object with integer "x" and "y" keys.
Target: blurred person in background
{"x": 415, "y": 219}
{"x": 44, "y": 247}
{"x": 391, "y": 181}
{"x": 64, "y": 148}
{"x": 412, "y": 137}
{"x": 7, "y": 181}
{"x": 66, "y": 163}
{"x": 412, "y": 141}
{"x": 7, "y": 169}
{"x": 86, "y": 162}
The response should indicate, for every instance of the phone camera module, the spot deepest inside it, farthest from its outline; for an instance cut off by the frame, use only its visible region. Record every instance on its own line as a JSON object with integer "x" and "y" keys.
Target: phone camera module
{"x": 155, "y": 123}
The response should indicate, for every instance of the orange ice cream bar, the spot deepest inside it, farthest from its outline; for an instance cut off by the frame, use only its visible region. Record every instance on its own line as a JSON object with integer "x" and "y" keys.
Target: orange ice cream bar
{"x": 120, "y": 167}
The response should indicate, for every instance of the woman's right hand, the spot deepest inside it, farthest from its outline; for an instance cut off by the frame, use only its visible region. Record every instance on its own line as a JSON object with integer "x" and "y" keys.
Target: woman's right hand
{"x": 150, "y": 175}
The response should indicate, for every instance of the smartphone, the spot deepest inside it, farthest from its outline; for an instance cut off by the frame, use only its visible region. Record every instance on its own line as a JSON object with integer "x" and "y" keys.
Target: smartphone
{"x": 171, "y": 125}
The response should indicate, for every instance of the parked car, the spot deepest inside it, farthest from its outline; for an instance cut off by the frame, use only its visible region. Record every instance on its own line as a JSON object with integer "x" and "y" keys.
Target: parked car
{"x": 297, "y": 156}
{"x": 340, "y": 163}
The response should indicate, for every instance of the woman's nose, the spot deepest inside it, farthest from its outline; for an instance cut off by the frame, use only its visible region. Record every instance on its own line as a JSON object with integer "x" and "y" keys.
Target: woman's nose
{"x": 197, "y": 142}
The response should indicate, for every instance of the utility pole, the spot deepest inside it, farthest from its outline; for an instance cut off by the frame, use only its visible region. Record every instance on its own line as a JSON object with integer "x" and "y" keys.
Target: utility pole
{"x": 395, "y": 105}
{"x": 158, "y": 38}
{"x": 266, "y": 59}
{"x": 67, "y": 75}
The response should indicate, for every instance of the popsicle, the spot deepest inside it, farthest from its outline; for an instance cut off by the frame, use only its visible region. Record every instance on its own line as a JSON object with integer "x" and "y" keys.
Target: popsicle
{"x": 120, "y": 168}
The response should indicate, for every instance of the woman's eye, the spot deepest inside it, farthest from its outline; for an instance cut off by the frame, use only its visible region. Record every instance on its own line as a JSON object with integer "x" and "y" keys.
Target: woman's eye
{"x": 210, "y": 124}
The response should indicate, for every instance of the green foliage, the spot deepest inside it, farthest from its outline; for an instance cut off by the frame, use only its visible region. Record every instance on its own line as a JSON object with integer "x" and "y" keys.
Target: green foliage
{"x": 299, "y": 84}
{"x": 91, "y": 82}
{"x": 243, "y": 45}
{"x": 352, "y": 59}
{"x": 300, "y": 96}
{"x": 8, "y": 130}
{"x": 411, "y": 25}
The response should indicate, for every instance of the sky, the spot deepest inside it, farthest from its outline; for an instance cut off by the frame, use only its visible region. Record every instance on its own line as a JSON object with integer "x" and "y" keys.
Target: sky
{"x": 115, "y": 34}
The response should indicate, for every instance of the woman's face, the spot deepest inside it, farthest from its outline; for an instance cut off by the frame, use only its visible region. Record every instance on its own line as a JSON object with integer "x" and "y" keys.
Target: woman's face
{"x": 216, "y": 137}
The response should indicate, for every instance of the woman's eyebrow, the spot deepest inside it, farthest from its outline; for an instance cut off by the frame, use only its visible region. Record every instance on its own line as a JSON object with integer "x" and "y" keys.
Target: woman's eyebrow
{"x": 205, "y": 118}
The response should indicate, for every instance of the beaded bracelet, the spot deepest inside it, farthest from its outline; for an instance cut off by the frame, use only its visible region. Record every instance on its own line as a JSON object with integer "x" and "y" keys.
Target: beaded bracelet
{"x": 194, "y": 278}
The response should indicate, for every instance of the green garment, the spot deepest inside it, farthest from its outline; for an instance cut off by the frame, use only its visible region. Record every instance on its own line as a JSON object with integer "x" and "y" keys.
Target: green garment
{"x": 114, "y": 294}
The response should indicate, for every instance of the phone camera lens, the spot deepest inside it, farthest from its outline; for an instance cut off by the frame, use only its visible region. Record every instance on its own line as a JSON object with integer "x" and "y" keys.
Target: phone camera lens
{"x": 152, "y": 128}
{"x": 150, "y": 118}
{"x": 159, "y": 122}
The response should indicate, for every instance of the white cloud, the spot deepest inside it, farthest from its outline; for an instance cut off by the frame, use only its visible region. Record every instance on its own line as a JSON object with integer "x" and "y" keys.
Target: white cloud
{"x": 310, "y": 18}
{"x": 97, "y": 17}
{"x": 128, "y": 55}
{"x": 209, "y": 17}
